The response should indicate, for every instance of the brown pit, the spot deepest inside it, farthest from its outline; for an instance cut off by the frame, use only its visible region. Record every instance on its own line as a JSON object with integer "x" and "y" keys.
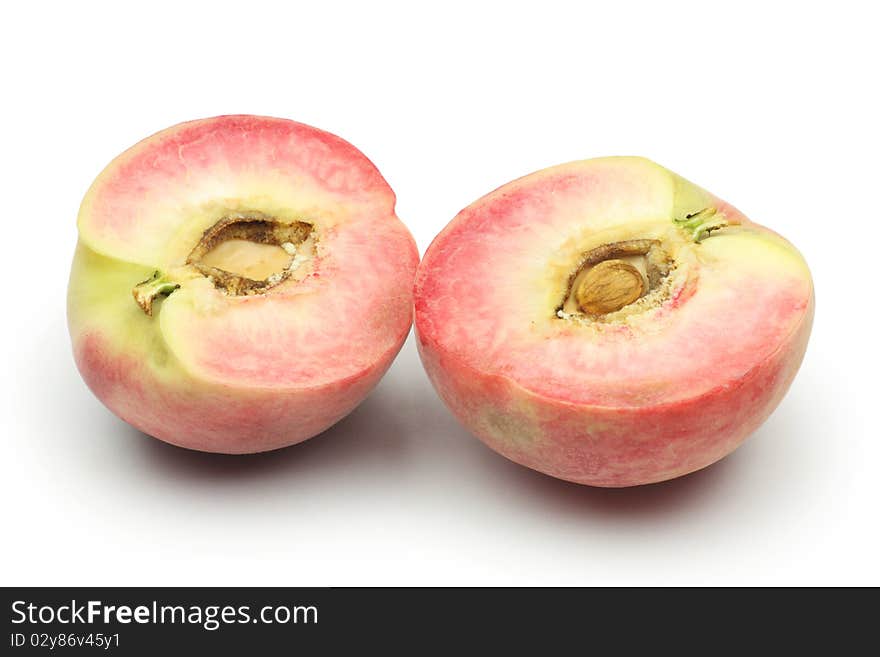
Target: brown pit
{"x": 609, "y": 286}
{"x": 615, "y": 275}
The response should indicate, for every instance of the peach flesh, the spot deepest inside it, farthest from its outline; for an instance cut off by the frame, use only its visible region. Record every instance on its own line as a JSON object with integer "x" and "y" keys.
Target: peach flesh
{"x": 648, "y": 391}
{"x": 273, "y": 277}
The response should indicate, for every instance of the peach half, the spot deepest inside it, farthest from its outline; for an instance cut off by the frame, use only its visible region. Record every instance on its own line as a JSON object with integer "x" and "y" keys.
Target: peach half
{"x": 609, "y": 323}
{"x": 240, "y": 283}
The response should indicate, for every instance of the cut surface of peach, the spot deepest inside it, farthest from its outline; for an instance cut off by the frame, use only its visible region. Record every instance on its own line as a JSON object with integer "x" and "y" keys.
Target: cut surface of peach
{"x": 240, "y": 283}
{"x": 608, "y": 322}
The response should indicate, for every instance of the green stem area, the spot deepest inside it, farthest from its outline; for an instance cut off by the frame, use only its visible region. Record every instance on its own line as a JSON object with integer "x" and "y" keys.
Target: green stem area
{"x": 156, "y": 286}
{"x": 700, "y": 224}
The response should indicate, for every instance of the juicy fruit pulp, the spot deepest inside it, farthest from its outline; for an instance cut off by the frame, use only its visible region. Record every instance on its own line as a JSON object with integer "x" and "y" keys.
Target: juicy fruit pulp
{"x": 609, "y": 323}
{"x": 240, "y": 283}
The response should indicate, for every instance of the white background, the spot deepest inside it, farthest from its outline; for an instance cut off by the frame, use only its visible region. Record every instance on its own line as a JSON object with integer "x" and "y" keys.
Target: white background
{"x": 772, "y": 106}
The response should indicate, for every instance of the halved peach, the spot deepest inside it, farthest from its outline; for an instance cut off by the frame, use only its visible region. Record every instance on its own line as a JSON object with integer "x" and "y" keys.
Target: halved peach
{"x": 240, "y": 283}
{"x": 609, "y": 323}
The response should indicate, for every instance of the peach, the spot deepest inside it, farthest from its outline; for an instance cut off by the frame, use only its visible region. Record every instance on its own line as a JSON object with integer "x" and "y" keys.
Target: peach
{"x": 240, "y": 283}
{"x": 609, "y": 323}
